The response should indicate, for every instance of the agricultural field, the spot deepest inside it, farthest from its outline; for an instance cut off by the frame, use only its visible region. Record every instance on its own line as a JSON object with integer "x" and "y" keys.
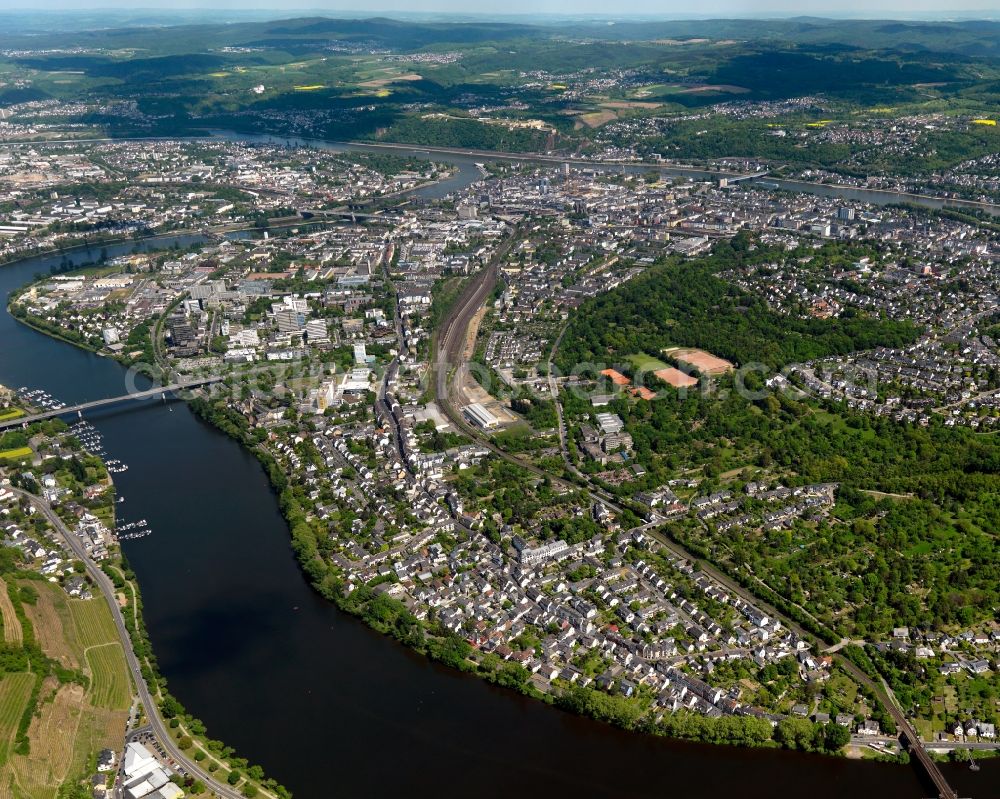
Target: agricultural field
{"x": 53, "y": 625}
{"x": 15, "y": 454}
{"x": 64, "y": 733}
{"x": 71, "y": 722}
{"x": 12, "y": 633}
{"x": 14, "y": 692}
{"x": 111, "y": 686}
{"x": 93, "y": 622}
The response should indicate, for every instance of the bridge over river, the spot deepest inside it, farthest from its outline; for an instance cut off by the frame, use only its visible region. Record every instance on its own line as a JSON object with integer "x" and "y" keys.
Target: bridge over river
{"x": 135, "y": 395}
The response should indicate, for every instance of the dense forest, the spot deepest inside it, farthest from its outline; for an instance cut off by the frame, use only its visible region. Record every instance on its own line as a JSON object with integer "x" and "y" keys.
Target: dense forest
{"x": 464, "y": 132}
{"x": 684, "y": 303}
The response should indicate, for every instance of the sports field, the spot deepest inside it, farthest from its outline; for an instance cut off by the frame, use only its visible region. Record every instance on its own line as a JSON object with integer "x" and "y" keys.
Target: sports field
{"x": 676, "y": 378}
{"x": 646, "y": 363}
{"x": 704, "y": 362}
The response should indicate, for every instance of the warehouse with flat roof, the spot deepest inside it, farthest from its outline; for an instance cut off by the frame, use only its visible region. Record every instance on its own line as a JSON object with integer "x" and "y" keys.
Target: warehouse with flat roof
{"x": 478, "y": 415}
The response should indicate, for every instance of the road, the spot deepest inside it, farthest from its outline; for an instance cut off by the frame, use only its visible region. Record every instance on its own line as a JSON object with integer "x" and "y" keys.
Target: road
{"x": 103, "y": 582}
{"x": 449, "y": 353}
{"x": 83, "y": 406}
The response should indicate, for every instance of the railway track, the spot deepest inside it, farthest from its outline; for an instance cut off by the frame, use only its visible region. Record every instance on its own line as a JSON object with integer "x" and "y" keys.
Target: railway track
{"x": 448, "y": 355}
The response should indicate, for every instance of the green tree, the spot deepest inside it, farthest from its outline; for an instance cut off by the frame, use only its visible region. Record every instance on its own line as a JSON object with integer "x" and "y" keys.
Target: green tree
{"x": 835, "y": 737}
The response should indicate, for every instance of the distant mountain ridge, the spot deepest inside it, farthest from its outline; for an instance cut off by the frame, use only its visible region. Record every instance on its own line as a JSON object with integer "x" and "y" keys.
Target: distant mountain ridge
{"x": 978, "y": 38}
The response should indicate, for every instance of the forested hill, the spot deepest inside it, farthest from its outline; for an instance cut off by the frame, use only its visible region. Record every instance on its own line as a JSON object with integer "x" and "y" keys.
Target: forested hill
{"x": 685, "y": 303}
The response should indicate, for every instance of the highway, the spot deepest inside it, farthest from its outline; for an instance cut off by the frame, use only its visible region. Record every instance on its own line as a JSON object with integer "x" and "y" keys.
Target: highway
{"x": 103, "y": 582}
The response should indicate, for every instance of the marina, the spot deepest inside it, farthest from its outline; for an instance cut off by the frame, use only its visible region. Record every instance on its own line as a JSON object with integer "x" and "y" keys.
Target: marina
{"x": 39, "y": 399}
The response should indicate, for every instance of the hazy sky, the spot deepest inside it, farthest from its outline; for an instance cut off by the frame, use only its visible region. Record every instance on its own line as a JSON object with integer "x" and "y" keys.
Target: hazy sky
{"x": 666, "y": 8}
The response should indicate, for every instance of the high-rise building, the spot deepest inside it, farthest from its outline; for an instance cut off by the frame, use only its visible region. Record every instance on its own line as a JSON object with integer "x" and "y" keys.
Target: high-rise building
{"x": 290, "y": 321}
{"x": 316, "y": 332}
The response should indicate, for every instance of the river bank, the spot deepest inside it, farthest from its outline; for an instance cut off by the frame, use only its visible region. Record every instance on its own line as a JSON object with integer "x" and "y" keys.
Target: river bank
{"x": 446, "y": 647}
{"x": 88, "y": 244}
{"x": 437, "y": 643}
{"x": 390, "y": 617}
{"x": 189, "y": 733}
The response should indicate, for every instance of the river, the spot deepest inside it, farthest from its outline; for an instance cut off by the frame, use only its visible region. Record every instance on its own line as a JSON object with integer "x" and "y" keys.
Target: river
{"x": 326, "y": 705}
{"x": 468, "y": 173}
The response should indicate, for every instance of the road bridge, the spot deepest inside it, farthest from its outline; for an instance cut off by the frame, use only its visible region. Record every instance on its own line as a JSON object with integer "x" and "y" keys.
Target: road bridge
{"x": 731, "y": 180}
{"x": 136, "y": 395}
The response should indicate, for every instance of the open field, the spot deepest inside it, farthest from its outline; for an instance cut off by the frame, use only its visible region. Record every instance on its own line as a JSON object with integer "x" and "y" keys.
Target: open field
{"x": 54, "y": 629}
{"x": 12, "y": 633}
{"x": 111, "y": 686}
{"x": 610, "y": 110}
{"x": 13, "y": 413}
{"x": 712, "y": 89}
{"x": 666, "y": 90}
{"x": 14, "y": 454}
{"x": 377, "y": 83}
{"x": 627, "y": 104}
{"x": 595, "y": 119}
{"x": 646, "y": 363}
